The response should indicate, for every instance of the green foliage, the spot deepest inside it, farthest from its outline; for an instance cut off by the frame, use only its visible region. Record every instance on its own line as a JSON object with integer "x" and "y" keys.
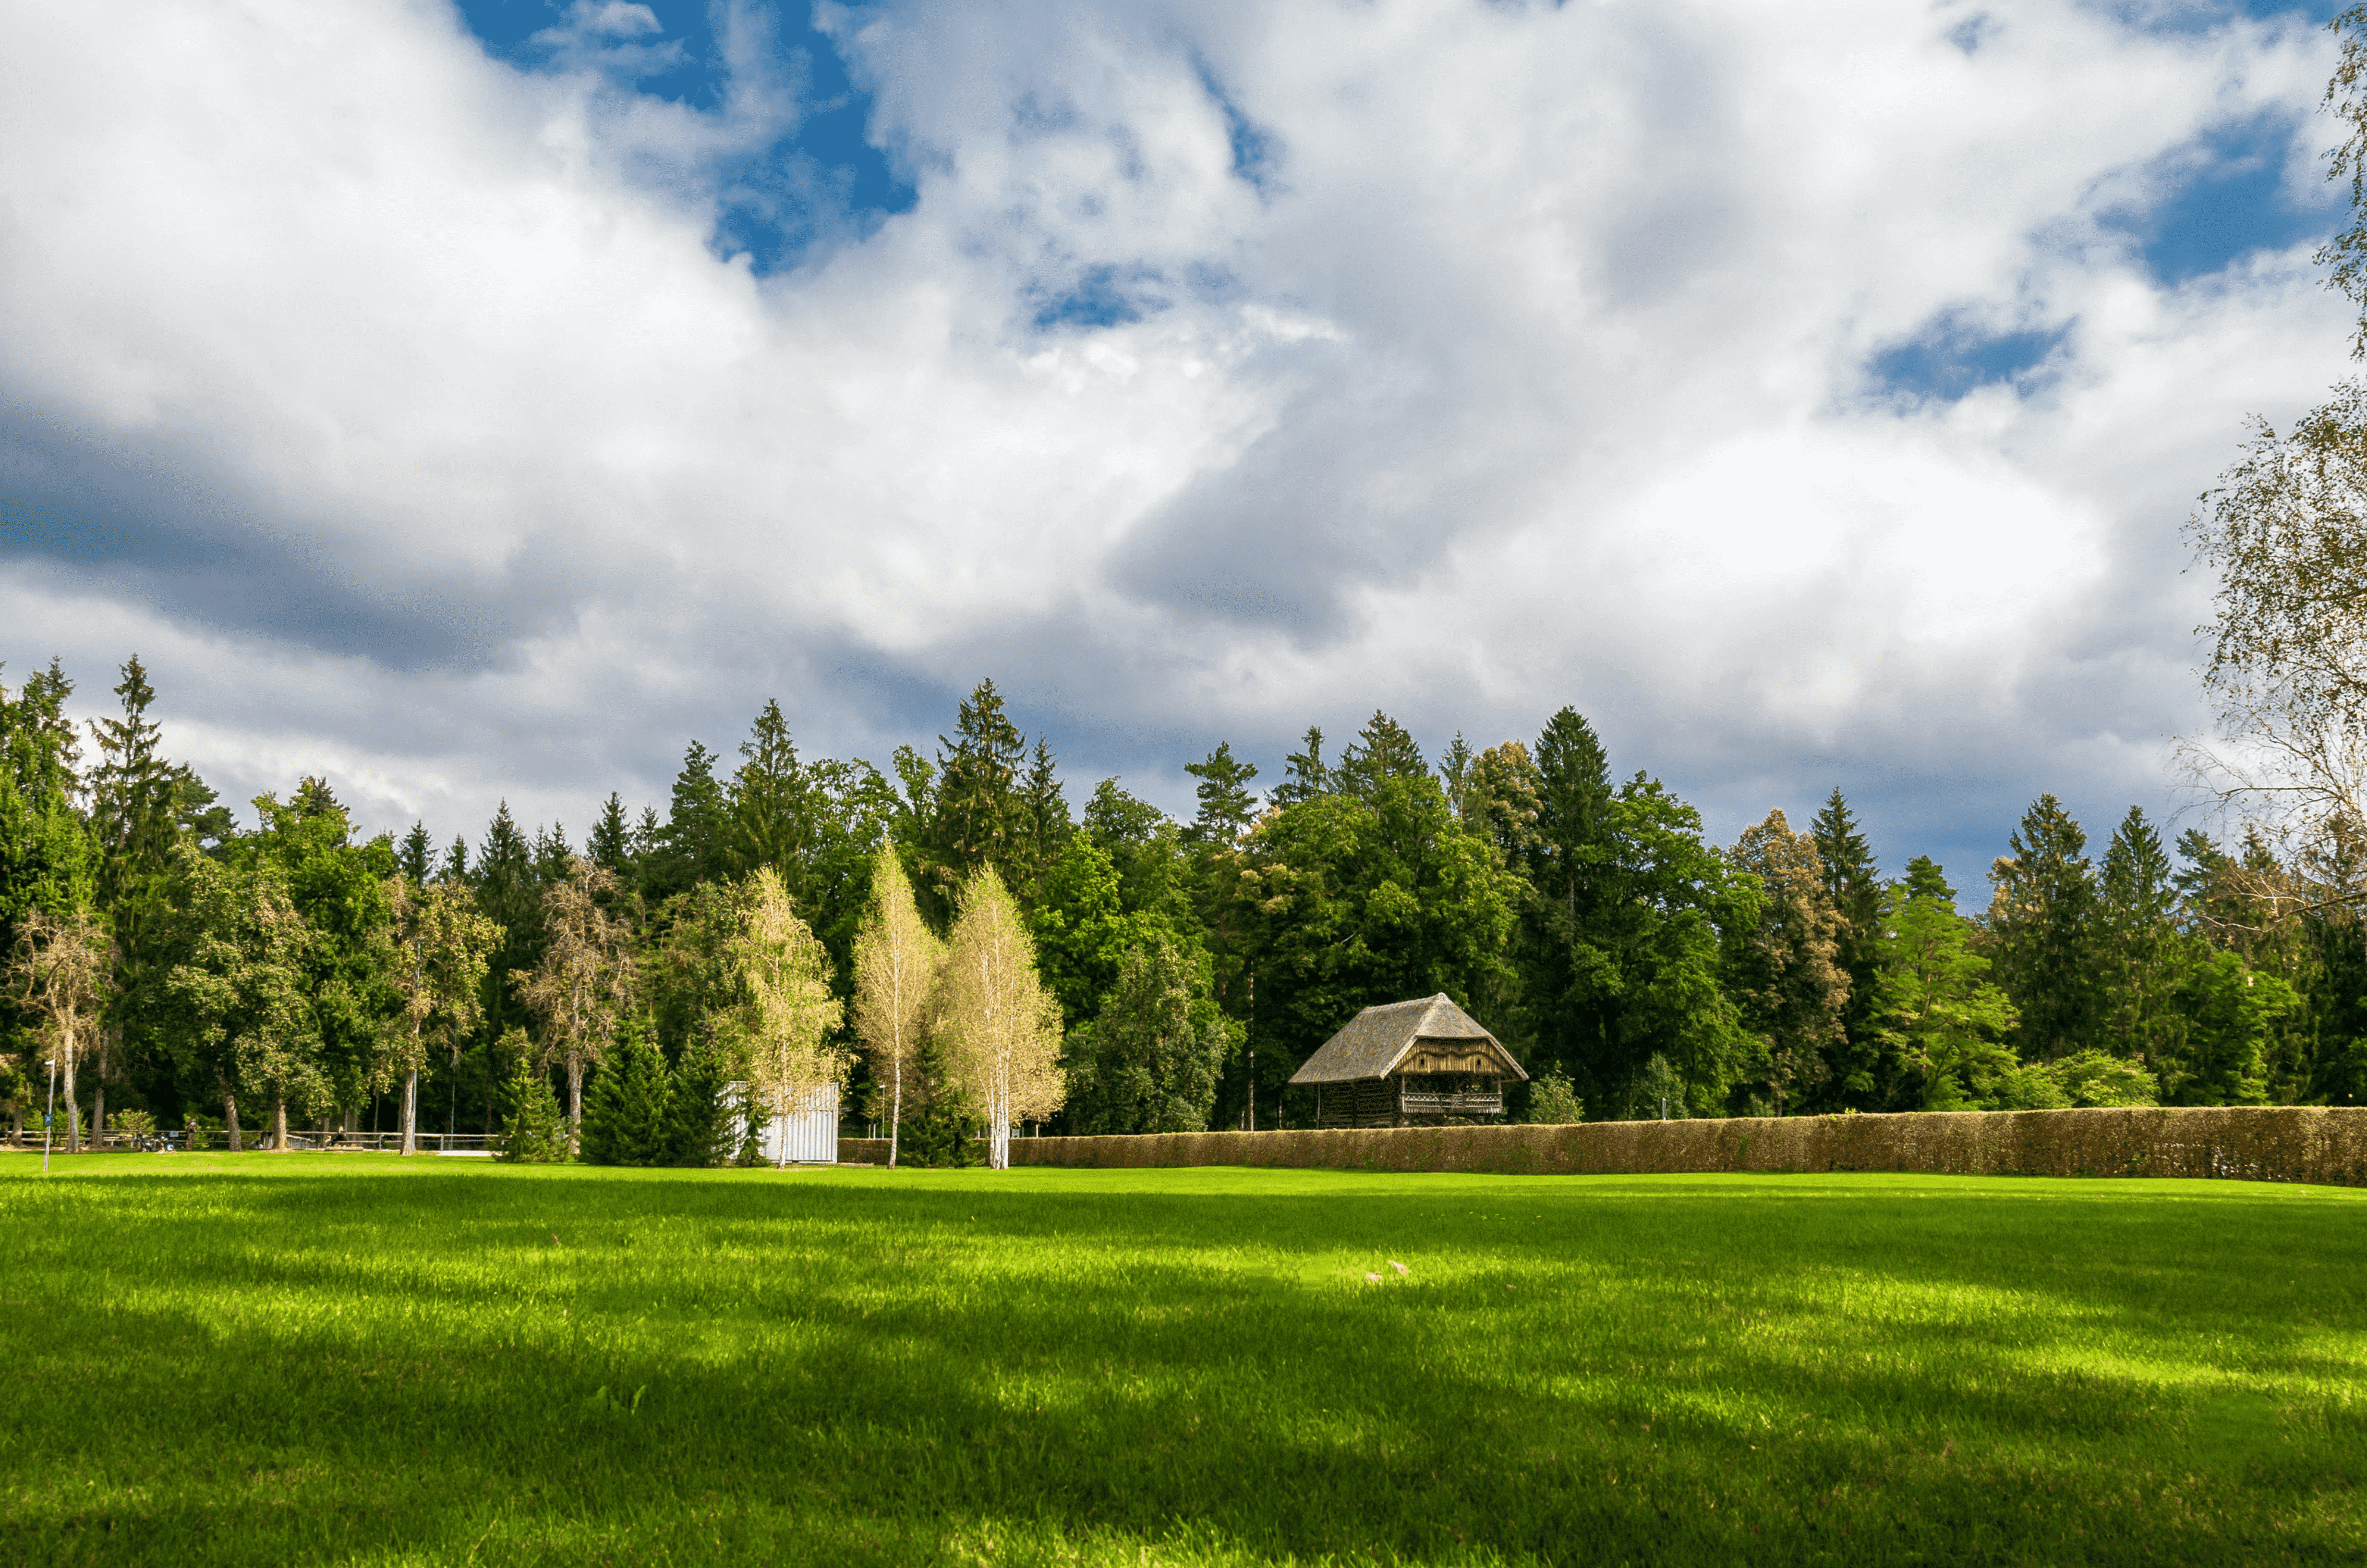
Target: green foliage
{"x": 1553, "y": 1102}
{"x": 2096, "y": 1078}
{"x": 2231, "y": 1009}
{"x": 1624, "y": 936}
{"x": 1935, "y": 1007}
{"x": 2043, "y": 927}
{"x": 1347, "y": 900}
{"x": 239, "y": 988}
{"x": 702, "y": 1120}
{"x": 1149, "y": 1063}
{"x": 748, "y": 1127}
{"x": 533, "y": 1130}
{"x": 627, "y": 1117}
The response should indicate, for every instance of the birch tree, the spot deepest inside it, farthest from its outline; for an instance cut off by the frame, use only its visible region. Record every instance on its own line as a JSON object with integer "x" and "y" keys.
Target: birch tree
{"x": 790, "y": 1011}
{"x": 446, "y": 947}
{"x": 2285, "y": 534}
{"x": 1000, "y": 1027}
{"x": 896, "y": 961}
{"x": 580, "y": 988}
{"x": 59, "y": 970}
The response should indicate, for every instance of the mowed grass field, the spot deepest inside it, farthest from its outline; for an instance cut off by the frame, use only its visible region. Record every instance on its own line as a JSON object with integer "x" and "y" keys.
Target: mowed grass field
{"x": 327, "y": 1357}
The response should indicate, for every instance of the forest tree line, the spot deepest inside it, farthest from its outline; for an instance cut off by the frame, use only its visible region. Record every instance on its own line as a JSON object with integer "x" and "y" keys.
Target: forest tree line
{"x": 1186, "y": 967}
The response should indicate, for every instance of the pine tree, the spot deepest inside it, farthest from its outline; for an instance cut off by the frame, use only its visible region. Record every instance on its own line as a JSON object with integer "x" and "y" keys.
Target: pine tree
{"x": 134, "y": 793}
{"x": 416, "y": 858}
{"x": 1383, "y": 751}
{"x": 1046, "y": 823}
{"x": 611, "y": 845}
{"x": 1454, "y": 771}
{"x": 981, "y": 810}
{"x": 1228, "y": 804}
{"x": 2043, "y": 926}
{"x": 1853, "y": 882}
{"x": 533, "y": 1131}
{"x": 772, "y": 803}
{"x": 695, "y": 845}
{"x": 1304, "y": 775}
{"x": 702, "y": 1123}
{"x": 627, "y": 1112}
{"x": 2139, "y": 943}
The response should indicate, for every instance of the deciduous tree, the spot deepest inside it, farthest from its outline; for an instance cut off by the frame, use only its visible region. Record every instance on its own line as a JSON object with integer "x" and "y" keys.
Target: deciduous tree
{"x": 445, "y": 951}
{"x": 1000, "y": 1028}
{"x": 1793, "y": 991}
{"x": 785, "y": 1022}
{"x": 584, "y": 979}
{"x": 59, "y": 967}
{"x": 897, "y": 960}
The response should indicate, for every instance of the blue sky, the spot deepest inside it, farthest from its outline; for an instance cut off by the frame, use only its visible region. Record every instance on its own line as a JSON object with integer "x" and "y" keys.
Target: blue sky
{"x": 485, "y": 403}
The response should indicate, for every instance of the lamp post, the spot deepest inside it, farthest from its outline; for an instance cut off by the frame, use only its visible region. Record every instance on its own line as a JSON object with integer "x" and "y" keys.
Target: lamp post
{"x": 49, "y": 1117}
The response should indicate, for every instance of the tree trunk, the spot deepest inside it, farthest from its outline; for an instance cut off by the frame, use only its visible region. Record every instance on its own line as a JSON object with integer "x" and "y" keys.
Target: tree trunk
{"x": 279, "y": 1125}
{"x": 230, "y": 1121}
{"x": 73, "y": 1108}
{"x": 574, "y": 1105}
{"x": 410, "y": 1112}
{"x": 896, "y": 1125}
{"x": 98, "y": 1115}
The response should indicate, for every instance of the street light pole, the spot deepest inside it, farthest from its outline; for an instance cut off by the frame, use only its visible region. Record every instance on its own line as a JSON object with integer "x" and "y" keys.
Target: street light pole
{"x": 49, "y": 1117}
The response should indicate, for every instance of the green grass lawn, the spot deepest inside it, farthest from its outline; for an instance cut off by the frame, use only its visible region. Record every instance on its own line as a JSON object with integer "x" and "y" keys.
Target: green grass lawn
{"x": 305, "y": 1357}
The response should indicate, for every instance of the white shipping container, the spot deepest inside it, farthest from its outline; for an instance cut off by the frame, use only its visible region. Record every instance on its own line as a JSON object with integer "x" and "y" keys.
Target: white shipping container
{"x": 809, "y": 1134}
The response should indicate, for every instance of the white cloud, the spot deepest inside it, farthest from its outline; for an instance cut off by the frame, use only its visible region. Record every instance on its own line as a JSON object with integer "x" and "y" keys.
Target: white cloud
{"x": 393, "y": 404}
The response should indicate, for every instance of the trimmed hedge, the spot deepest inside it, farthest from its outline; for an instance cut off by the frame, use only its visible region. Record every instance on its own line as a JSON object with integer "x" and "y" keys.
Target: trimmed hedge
{"x": 2300, "y": 1144}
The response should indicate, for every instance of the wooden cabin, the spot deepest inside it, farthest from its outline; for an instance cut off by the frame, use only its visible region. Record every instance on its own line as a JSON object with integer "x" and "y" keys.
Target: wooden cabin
{"x": 1408, "y": 1064}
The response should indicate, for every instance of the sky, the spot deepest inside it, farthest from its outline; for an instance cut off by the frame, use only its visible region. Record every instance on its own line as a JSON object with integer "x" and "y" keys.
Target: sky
{"x": 484, "y": 401}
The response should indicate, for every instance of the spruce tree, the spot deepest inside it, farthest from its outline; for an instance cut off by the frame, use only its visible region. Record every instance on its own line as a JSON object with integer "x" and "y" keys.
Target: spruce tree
{"x": 2140, "y": 945}
{"x": 611, "y": 843}
{"x": 771, "y": 804}
{"x": 416, "y": 857}
{"x": 693, "y": 845}
{"x": 1381, "y": 751}
{"x": 701, "y": 1116}
{"x": 2043, "y": 926}
{"x": 1304, "y": 775}
{"x": 625, "y": 1120}
{"x": 533, "y": 1130}
{"x": 1854, "y": 883}
{"x": 981, "y": 809}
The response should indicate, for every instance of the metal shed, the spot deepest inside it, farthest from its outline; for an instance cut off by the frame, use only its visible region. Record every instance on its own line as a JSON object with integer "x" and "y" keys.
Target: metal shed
{"x": 809, "y": 1134}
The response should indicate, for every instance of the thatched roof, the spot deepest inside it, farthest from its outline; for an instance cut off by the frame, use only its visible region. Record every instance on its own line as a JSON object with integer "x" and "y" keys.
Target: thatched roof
{"x": 1377, "y": 1040}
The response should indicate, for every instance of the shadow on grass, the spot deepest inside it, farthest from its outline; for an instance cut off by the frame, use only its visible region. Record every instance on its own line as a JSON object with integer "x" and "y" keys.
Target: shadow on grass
{"x": 305, "y": 1368}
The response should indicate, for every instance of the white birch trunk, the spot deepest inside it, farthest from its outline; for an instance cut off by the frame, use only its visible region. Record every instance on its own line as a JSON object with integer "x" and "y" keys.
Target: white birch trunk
{"x": 410, "y": 1112}
{"x": 574, "y": 1105}
{"x": 74, "y": 1106}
